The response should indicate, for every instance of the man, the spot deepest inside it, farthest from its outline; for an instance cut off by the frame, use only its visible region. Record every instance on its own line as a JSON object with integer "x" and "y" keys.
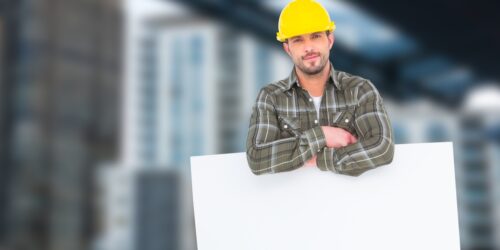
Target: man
{"x": 318, "y": 116}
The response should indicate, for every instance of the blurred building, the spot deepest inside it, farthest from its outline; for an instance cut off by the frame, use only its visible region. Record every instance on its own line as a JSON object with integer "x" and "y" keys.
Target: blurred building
{"x": 198, "y": 80}
{"x": 480, "y": 123}
{"x": 60, "y": 91}
{"x": 3, "y": 133}
{"x": 115, "y": 189}
{"x": 157, "y": 193}
{"x": 142, "y": 209}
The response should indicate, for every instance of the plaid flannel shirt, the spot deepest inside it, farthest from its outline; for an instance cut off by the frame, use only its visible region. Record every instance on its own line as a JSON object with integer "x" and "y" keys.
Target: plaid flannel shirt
{"x": 284, "y": 131}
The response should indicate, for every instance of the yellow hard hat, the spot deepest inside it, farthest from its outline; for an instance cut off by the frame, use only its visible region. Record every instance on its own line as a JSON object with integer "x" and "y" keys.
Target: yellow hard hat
{"x": 302, "y": 17}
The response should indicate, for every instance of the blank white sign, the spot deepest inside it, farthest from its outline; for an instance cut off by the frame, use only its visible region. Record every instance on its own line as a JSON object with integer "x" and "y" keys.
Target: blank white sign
{"x": 409, "y": 204}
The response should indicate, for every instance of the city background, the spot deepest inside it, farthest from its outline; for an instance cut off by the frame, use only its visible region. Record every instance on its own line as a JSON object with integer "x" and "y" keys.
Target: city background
{"x": 102, "y": 102}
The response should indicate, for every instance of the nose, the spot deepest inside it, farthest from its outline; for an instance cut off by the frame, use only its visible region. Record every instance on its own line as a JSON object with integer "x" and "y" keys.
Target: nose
{"x": 308, "y": 47}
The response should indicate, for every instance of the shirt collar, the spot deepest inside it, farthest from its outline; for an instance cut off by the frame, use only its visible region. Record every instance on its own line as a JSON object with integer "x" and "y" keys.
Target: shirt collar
{"x": 292, "y": 79}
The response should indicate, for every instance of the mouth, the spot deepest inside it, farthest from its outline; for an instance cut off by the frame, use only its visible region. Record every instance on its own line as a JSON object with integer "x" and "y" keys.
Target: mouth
{"x": 311, "y": 57}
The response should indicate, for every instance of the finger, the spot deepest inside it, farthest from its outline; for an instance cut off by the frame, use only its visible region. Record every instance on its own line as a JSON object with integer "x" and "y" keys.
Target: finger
{"x": 313, "y": 160}
{"x": 353, "y": 139}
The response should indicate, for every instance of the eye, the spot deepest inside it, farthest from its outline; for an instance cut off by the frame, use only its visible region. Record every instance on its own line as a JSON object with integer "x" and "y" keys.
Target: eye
{"x": 314, "y": 36}
{"x": 296, "y": 40}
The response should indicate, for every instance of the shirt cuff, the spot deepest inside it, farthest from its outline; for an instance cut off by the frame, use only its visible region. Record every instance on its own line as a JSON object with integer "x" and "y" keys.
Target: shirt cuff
{"x": 316, "y": 139}
{"x": 327, "y": 159}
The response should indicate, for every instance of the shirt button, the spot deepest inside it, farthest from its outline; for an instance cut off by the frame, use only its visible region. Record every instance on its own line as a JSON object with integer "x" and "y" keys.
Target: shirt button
{"x": 346, "y": 120}
{"x": 315, "y": 121}
{"x": 310, "y": 99}
{"x": 286, "y": 126}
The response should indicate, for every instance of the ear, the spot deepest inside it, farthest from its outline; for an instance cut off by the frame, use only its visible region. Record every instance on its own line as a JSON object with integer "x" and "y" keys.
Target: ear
{"x": 286, "y": 48}
{"x": 331, "y": 39}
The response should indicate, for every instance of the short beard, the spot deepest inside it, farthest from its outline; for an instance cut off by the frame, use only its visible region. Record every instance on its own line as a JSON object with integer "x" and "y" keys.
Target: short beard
{"x": 315, "y": 70}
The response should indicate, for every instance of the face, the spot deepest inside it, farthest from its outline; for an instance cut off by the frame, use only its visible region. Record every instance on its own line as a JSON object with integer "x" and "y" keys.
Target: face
{"x": 310, "y": 52}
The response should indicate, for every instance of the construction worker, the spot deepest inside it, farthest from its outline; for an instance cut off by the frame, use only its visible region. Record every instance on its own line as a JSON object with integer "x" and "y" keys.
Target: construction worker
{"x": 317, "y": 116}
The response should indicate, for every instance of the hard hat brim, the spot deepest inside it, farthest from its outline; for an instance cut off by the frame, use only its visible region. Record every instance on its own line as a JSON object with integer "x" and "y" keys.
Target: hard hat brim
{"x": 283, "y": 37}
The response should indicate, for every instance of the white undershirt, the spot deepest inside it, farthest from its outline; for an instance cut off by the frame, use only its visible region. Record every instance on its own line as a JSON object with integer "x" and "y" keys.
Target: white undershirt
{"x": 317, "y": 104}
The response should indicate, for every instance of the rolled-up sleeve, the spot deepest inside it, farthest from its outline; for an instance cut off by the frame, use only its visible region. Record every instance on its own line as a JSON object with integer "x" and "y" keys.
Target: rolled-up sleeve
{"x": 375, "y": 145}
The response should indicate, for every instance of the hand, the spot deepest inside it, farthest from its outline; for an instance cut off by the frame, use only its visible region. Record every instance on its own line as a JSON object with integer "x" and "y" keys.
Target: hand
{"x": 311, "y": 162}
{"x": 337, "y": 137}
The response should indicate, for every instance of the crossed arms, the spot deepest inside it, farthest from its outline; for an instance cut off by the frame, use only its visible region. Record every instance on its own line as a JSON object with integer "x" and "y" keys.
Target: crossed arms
{"x": 334, "y": 149}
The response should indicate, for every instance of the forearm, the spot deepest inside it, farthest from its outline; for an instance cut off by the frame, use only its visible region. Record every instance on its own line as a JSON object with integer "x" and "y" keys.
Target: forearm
{"x": 283, "y": 154}
{"x": 357, "y": 158}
